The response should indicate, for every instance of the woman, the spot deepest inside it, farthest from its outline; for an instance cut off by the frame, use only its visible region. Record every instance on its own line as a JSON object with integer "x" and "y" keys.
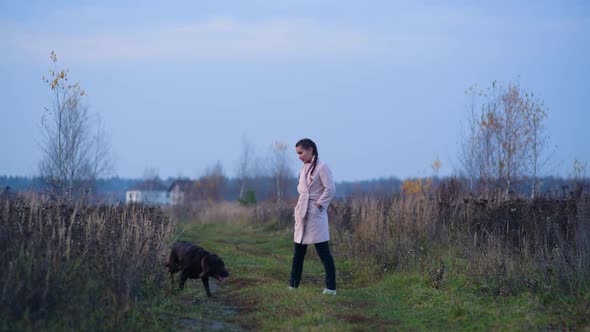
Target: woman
{"x": 316, "y": 191}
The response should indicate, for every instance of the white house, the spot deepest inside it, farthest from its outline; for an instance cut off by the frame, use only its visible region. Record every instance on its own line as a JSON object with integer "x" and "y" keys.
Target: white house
{"x": 151, "y": 192}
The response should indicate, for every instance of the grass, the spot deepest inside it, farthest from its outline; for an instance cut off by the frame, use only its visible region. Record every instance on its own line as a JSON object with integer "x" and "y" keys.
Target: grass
{"x": 255, "y": 297}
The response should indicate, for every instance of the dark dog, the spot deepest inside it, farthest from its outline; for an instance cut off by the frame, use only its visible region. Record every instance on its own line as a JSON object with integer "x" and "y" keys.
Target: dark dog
{"x": 195, "y": 262}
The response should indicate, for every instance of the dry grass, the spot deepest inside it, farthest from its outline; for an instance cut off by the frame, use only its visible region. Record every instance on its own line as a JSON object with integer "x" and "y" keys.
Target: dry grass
{"x": 505, "y": 247}
{"x": 234, "y": 212}
{"x": 77, "y": 267}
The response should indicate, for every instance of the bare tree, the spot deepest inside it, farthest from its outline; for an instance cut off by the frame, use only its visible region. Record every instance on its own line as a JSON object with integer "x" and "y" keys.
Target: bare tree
{"x": 578, "y": 171}
{"x": 537, "y": 152}
{"x": 479, "y": 157}
{"x": 468, "y": 154}
{"x": 507, "y": 140}
{"x": 280, "y": 168}
{"x": 578, "y": 177}
{"x": 151, "y": 179}
{"x": 511, "y": 136}
{"x": 150, "y": 173}
{"x": 102, "y": 161}
{"x": 212, "y": 182}
{"x": 72, "y": 157}
{"x": 245, "y": 164}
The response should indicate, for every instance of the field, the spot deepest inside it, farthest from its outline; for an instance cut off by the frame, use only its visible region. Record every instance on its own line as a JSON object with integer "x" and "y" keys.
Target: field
{"x": 402, "y": 264}
{"x": 255, "y": 297}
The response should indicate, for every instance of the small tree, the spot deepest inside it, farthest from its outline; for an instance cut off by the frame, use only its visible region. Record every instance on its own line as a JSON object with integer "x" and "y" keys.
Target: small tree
{"x": 245, "y": 165}
{"x": 72, "y": 156}
{"x": 212, "y": 183}
{"x": 537, "y": 152}
{"x": 469, "y": 157}
{"x": 280, "y": 168}
{"x": 578, "y": 177}
{"x": 101, "y": 157}
{"x": 507, "y": 140}
{"x": 436, "y": 165}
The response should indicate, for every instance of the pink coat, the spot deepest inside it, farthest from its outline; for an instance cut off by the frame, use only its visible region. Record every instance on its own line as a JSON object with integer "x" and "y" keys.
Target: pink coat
{"x": 311, "y": 224}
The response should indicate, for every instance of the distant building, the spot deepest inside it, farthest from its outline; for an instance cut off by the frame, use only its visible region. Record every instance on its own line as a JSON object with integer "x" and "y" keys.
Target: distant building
{"x": 152, "y": 192}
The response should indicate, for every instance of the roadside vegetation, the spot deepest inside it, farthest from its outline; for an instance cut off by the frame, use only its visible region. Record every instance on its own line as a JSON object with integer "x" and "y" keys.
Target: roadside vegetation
{"x": 441, "y": 261}
{"x": 78, "y": 267}
{"x": 410, "y": 262}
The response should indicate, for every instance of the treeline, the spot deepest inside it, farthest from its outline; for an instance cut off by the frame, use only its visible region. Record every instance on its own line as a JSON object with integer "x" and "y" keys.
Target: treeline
{"x": 263, "y": 188}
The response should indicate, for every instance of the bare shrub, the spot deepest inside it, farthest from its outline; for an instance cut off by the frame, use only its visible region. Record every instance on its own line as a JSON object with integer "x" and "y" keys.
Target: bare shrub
{"x": 74, "y": 266}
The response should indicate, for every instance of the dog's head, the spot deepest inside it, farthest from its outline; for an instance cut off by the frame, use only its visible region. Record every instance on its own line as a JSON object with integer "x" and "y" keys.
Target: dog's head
{"x": 216, "y": 268}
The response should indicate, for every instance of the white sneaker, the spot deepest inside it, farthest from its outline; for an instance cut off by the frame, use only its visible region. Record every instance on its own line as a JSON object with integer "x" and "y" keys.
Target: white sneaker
{"x": 291, "y": 288}
{"x": 329, "y": 291}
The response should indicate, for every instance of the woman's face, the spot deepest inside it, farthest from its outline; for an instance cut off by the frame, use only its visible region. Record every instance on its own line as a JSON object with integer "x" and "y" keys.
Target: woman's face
{"x": 305, "y": 155}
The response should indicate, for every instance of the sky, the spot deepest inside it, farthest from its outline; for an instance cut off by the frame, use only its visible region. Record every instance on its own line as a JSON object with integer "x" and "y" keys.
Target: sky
{"x": 379, "y": 85}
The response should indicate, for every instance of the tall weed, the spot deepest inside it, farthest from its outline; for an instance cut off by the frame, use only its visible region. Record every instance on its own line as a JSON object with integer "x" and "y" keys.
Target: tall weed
{"x": 77, "y": 266}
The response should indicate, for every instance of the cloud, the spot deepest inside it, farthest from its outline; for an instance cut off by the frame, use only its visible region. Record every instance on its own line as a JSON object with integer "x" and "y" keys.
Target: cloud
{"x": 213, "y": 38}
{"x": 425, "y": 34}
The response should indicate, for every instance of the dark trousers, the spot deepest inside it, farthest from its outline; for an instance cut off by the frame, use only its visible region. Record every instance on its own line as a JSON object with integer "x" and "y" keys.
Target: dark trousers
{"x": 323, "y": 250}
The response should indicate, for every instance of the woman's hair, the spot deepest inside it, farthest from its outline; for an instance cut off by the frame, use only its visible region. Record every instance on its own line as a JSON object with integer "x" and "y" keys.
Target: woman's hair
{"x": 306, "y": 143}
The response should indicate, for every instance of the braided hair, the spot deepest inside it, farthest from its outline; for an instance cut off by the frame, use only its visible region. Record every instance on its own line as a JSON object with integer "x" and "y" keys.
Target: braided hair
{"x": 306, "y": 143}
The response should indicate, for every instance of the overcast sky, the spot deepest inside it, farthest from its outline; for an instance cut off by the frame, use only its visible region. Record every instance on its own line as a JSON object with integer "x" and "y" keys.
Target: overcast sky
{"x": 379, "y": 85}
